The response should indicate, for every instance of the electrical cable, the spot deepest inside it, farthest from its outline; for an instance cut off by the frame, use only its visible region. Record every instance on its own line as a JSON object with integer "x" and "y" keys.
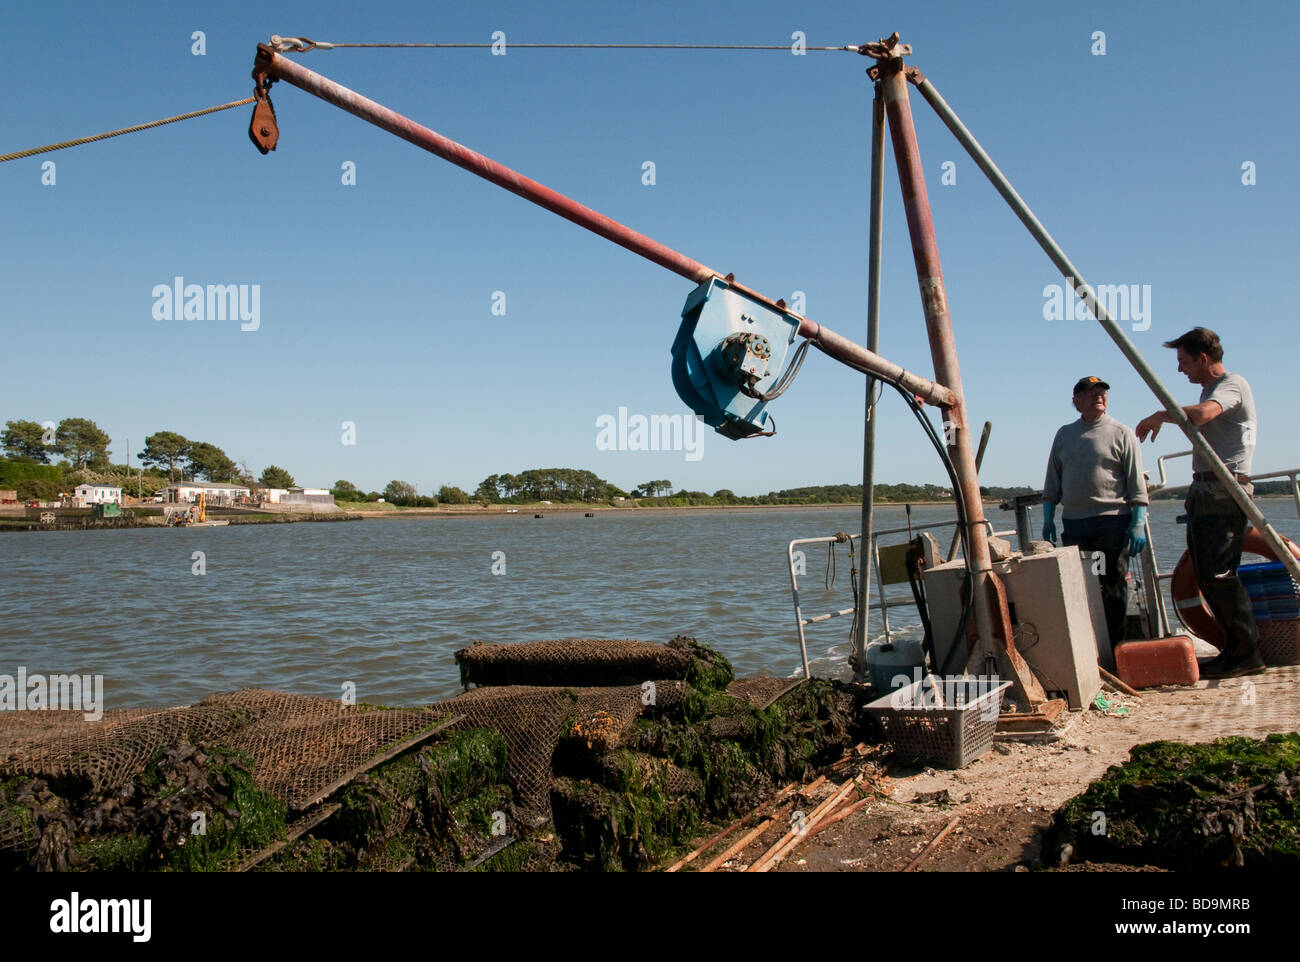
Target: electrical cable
{"x": 962, "y": 525}
{"x": 853, "y": 583}
{"x": 915, "y": 582}
{"x": 784, "y": 381}
{"x": 962, "y": 519}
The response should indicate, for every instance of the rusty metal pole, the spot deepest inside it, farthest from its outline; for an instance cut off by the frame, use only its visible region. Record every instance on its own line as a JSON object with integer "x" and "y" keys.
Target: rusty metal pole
{"x": 271, "y": 65}
{"x": 938, "y": 326}
{"x": 988, "y": 653}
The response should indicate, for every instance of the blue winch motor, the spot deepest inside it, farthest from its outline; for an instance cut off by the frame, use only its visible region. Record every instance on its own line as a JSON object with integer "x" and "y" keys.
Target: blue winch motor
{"x": 729, "y": 351}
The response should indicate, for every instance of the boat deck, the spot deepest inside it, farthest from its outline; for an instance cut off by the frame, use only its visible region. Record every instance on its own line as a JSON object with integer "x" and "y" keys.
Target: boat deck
{"x": 1006, "y": 797}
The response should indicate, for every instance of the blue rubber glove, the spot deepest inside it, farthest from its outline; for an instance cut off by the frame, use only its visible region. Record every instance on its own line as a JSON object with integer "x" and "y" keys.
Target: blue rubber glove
{"x": 1049, "y": 522}
{"x": 1137, "y": 530}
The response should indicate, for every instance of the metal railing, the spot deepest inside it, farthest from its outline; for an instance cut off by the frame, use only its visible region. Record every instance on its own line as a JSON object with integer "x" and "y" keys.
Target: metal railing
{"x": 1163, "y": 485}
{"x": 883, "y": 604}
{"x": 1158, "y": 622}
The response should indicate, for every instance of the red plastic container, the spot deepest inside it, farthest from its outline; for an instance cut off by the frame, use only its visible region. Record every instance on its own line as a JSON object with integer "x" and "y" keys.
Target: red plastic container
{"x": 1157, "y": 661}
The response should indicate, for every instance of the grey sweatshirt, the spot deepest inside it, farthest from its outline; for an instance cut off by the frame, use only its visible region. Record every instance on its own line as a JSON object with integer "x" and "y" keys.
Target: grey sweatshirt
{"x": 1095, "y": 469}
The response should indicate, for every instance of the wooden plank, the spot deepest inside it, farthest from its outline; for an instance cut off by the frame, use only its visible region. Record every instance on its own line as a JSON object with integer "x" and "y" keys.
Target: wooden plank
{"x": 841, "y": 813}
{"x": 773, "y": 856}
{"x": 934, "y": 843}
{"x": 500, "y": 845}
{"x": 692, "y": 856}
{"x": 740, "y": 845}
{"x": 1035, "y": 721}
{"x": 753, "y": 834}
{"x": 1118, "y": 684}
{"x": 292, "y": 834}
{"x": 391, "y": 752}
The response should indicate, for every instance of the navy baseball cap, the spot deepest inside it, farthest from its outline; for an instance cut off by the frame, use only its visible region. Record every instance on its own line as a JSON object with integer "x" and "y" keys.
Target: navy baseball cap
{"x": 1087, "y": 383}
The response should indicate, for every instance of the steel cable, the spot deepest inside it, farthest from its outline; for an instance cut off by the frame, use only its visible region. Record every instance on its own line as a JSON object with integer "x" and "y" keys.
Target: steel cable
{"x": 305, "y": 45}
{"x": 125, "y": 130}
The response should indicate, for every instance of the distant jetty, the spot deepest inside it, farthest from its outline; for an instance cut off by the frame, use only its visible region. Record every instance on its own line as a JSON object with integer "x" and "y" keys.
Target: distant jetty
{"x": 148, "y": 516}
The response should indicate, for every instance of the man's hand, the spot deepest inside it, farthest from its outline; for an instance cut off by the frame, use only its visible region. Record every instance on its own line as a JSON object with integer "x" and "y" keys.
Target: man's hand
{"x": 1151, "y": 425}
{"x": 1137, "y": 531}
{"x": 1049, "y": 521}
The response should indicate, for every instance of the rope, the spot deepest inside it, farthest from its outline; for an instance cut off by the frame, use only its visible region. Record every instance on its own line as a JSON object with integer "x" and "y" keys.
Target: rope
{"x": 305, "y": 45}
{"x": 125, "y": 130}
{"x": 840, "y": 538}
{"x": 853, "y": 583}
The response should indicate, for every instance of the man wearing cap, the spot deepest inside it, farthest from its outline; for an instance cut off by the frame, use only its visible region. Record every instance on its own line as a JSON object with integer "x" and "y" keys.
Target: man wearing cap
{"x": 1216, "y": 526}
{"x": 1095, "y": 474}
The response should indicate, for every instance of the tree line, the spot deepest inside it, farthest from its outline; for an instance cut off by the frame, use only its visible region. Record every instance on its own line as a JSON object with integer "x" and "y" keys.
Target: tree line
{"x": 85, "y": 447}
{"x": 576, "y": 485}
{"x": 547, "y": 484}
{"x": 400, "y": 493}
{"x": 527, "y": 487}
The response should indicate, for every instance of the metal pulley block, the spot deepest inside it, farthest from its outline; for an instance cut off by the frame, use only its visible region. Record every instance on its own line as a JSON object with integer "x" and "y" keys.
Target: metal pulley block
{"x": 263, "y": 130}
{"x": 729, "y": 350}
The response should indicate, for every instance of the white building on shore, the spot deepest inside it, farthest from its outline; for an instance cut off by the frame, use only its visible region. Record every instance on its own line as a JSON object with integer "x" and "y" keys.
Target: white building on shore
{"x": 264, "y": 495}
{"x": 216, "y": 492}
{"x": 88, "y": 494}
{"x": 308, "y": 496}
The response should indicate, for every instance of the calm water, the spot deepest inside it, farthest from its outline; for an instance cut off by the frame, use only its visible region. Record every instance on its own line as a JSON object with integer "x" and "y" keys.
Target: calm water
{"x": 384, "y": 604}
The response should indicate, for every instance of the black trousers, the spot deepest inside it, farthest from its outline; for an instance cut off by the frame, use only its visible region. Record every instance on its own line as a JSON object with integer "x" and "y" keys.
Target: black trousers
{"x": 1216, "y": 528}
{"x": 1104, "y": 544}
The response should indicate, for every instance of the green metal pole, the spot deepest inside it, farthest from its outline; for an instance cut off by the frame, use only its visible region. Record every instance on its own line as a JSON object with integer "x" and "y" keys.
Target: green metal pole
{"x": 877, "y": 228}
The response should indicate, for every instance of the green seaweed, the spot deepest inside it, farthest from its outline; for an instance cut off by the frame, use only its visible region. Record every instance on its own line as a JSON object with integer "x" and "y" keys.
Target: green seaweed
{"x": 625, "y": 829}
{"x": 444, "y": 796}
{"x": 467, "y": 762}
{"x": 252, "y": 820}
{"x": 1232, "y": 801}
{"x": 310, "y": 854}
{"x": 709, "y": 672}
{"x": 113, "y": 853}
{"x": 513, "y": 858}
{"x": 478, "y": 814}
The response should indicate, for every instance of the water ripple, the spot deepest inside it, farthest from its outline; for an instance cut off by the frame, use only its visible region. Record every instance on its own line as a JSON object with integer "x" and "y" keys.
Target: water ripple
{"x": 383, "y": 605}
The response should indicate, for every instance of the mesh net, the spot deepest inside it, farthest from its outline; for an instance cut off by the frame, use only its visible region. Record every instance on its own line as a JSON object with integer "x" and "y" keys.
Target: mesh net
{"x": 300, "y": 745}
{"x": 573, "y": 661}
{"x": 621, "y": 771}
{"x": 535, "y": 719}
{"x": 762, "y": 690}
{"x": 107, "y": 753}
{"x": 303, "y": 745}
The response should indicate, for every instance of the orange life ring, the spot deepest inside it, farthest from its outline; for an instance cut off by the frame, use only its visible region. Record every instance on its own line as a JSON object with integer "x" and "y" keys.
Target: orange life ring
{"x": 1192, "y": 610}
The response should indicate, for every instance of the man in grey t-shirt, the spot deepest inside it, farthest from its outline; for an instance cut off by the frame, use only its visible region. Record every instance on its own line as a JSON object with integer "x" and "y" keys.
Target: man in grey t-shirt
{"x": 1216, "y": 527}
{"x": 1094, "y": 472}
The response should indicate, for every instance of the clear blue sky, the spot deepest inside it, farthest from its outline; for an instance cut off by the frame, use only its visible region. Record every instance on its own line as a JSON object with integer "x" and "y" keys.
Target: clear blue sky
{"x": 376, "y": 299}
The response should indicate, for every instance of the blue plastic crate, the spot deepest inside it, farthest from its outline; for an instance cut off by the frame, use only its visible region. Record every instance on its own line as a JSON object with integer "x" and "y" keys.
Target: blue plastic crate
{"x": 1274, "y": 594}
